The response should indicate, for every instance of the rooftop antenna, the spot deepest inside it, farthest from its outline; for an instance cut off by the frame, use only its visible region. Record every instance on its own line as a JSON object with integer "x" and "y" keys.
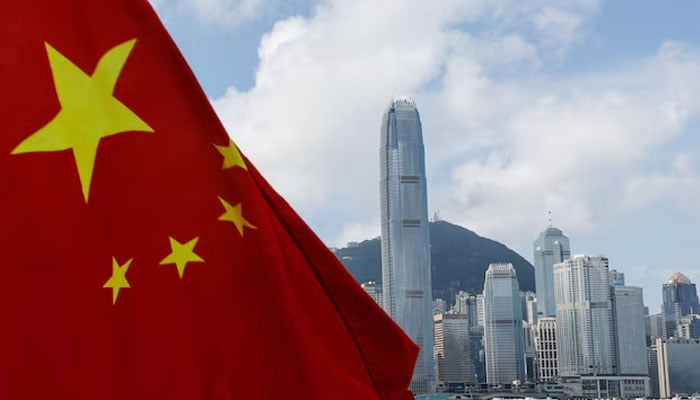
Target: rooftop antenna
{"x": 549, "y": 218}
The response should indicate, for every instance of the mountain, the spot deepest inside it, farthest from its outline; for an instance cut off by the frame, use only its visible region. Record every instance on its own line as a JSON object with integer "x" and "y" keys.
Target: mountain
{"x": 459, "y": 259}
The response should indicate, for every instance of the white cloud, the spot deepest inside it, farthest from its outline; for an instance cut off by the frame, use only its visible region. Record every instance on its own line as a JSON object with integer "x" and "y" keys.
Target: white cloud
{"x": 680, "y": 187}
{"x": 311, "y": 121}
{"x": 559, "y": 26}
{"x": 505, "y": 142}
{"x": 576, "y": 146}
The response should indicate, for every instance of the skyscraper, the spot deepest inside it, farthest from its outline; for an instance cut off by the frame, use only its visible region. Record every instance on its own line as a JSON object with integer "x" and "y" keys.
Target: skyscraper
{"x": 468, "y": 304}
{"x": 630, "y": 335}
{"x": 546, "y": 345}
{"x": 585, "y": 340}
{"x": 461, "y": 300}
{"x": 439, "y": 306}
{"x": 677, "y": 361}
{"x": 617, "y": 278}
{"x": 529, "y": 309}
{"x": 680, "y": 298}
{"x": 503, "y": 321}
{"x": 656, "y": 326}
{"x": 688, "y": 327}
{"x": 452, "y": 351}
{"x": 405, "y": 234}
{"x": 550, "y": 248}
{"x": 653, "y": 362}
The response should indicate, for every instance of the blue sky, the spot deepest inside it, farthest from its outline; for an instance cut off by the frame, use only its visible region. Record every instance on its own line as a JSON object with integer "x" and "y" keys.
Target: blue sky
{"x": 587, "y": 108}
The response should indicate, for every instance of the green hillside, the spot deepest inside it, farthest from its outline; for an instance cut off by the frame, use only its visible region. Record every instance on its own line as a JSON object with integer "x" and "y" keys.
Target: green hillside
{"x": 459, "y": 260}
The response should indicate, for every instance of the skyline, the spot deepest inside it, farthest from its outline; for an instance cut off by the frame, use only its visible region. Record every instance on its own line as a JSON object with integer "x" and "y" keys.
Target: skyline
{"x": 585, "y": 108}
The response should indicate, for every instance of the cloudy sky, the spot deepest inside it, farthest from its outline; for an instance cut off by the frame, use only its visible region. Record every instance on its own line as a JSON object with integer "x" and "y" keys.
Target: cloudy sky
{"x": 590, "y": 109}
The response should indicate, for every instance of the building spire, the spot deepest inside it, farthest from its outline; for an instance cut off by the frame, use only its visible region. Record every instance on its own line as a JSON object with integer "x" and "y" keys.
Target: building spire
{"x": 549, "y": 218}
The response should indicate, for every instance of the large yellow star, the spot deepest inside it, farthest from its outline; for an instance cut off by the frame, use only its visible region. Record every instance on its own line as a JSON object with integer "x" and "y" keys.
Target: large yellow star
{"x": 181, "y": 254}
{"x": 89, "y": 111}
{"x": 118, "y": 278}
{"x": 235, "y": 214}
{"x": 232, "y": 157}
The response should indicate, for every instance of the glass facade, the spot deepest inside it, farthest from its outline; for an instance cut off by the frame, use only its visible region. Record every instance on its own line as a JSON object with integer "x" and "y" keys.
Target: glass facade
{"x": 550, "y": 248}
{"x": 680, "y": 298}
{"x": 503, "y": 322}
{"x": 452, "y": 349}
{"x": 407, "y": 288}
{"x": 630, "y": 339}
{"x": 678, "y": 366}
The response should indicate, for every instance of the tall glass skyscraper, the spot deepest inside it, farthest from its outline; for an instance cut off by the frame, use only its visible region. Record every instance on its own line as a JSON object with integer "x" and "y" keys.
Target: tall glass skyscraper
{"x": 503, "y": 326}
{"x": 407, "y": 287}
{"x": 680, "y": 299}
{"x": 551, "y": 247}
{"x": 630, "y": 337}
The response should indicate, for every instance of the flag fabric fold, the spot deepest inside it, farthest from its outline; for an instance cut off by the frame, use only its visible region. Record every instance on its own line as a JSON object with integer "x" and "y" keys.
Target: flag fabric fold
{"x": 143, "y": 256}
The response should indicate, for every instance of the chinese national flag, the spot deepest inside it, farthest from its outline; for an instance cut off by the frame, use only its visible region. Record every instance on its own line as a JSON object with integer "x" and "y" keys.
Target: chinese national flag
{"x": 142, "y": 256}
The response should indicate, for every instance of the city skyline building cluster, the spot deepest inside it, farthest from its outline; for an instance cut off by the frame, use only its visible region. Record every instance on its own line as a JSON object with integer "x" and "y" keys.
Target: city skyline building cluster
{"x": 583, "y": 332}
{"x": 599, "y": 333}
{"x": 601, "y": 342}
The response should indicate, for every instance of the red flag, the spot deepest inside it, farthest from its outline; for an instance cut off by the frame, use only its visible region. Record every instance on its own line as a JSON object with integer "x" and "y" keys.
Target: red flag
{"x": 142, "y": 256}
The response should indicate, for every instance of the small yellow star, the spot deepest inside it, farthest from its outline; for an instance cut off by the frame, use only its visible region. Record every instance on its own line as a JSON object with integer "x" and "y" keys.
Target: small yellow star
{"x": 118, "y": 278}
{"x": 235, "y": 214}
{"x": 89, "y": 111}
{"x": 232, "y": 157}
{"x": 181, "y": 254}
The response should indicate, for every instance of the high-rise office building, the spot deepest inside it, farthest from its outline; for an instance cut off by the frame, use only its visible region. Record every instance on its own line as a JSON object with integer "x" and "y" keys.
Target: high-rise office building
{"x": 653, "y": 362}
{"x": 585, "y": 340}
{"x": 550, "y": 248}
{"x": 546, "y": 346}
{"x": 439, "y": 306}
{"x": 617, "y": 278}
{"x": 680, "y": 298}
{"x": 467, "y": 304}
{"x": 656, "y": 326}
{"x": 405, "y": 234}
{"x": 503, "y": 318}
{"x": 477, "y": 365}
{"x": 647, "y": 325}
{"x": 452, "y": 351}
{"x": 529, "y": 305}
{"x": 630, "y": 335}
{"x": 678, "y": 366}
{"x": 688, "y": 327}
{"x": 461, "y": 300}
{"x": 480, "y": 309}
{"x": 529, "y": 300}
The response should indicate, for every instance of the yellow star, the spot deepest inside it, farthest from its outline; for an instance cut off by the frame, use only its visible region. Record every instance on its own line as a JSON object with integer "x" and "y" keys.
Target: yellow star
{"x": 118, "y": 278}
{"x": 181, "y": 254}
{"x": 89, "y": 111}
{"x": 235, "y": 214}
{"x": 232, "y": 157}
